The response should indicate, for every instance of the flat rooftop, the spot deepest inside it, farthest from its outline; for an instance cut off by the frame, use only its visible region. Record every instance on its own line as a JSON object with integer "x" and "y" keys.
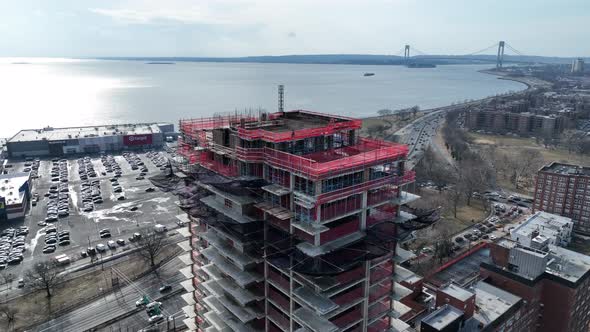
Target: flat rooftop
{"x": 442, "y": 317}
{"x": 545, "y": 224}
{"x": 457, "y": 292}
{"x": 566, "y": 169}
{"x": 492, "y": 302}
{"x": 567, "y": 264}
{"x": 464, "y": 270}
{"x": 56, "y": 134}
{"x": 9, "y": 187}
{"x": 297, "y": 120}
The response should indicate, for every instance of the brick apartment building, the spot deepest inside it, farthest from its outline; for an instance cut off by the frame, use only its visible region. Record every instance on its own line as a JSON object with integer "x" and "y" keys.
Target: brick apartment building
{"x": 507, "y": 287}
{"x": 564, "y": 189}
{"x": 297, "y": 228}
{"x": 523, "y": 124}
{"x": 554, "y": 284}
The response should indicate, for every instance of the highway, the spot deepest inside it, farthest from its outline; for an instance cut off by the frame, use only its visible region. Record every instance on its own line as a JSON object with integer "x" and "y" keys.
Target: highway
{"x": 107, "y": 309}
{"x": 418, "y": 134}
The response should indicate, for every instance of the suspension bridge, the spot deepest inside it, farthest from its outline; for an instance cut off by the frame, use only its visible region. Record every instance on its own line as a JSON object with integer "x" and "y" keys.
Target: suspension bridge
{"x": 499, "y": 48}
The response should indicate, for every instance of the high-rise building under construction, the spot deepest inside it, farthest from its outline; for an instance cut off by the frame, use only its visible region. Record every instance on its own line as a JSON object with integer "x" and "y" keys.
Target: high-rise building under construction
{"x": 295, "y": 225}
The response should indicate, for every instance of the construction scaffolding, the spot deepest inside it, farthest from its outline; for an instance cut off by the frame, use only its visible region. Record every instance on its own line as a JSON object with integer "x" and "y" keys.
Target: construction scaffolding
{"x": 297, "y": 221}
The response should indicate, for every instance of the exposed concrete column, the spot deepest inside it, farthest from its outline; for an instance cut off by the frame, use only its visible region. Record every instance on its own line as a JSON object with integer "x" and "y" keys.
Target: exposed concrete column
{"x": 364, "y": 211}
{"x": 366, "y": 295}
{"x": 291, "y": 188}
{"x": 318, "y": 187}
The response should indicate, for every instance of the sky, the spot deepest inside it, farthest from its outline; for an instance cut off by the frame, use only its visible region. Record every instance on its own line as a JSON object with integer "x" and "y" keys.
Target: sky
{"x": 227, "y": 28}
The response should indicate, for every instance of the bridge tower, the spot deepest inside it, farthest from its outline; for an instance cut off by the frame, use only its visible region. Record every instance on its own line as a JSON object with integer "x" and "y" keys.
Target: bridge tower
{"x": 407, "y": 53}
{"x": 500, "y": 57}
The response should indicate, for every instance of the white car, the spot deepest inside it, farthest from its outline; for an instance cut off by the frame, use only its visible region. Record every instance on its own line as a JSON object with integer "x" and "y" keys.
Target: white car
{"x": 155, "y": 318}
{"x": 112, "y": 244}
{"x": 101, "y": 247}
{"x": 493, "y": 237}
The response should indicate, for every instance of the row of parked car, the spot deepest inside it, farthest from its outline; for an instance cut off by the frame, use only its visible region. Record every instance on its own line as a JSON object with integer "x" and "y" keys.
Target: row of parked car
{"x": 112, "y": 166}
{"x": 136, "y": 163}
{"x": 58, "y": 205}
{"x": 90, "y": 185}
{"x": 12, "y": 245}
{"x": 53, "y": 238}
{"x": 33, "y": 167}
{"x": 158, "y": 159}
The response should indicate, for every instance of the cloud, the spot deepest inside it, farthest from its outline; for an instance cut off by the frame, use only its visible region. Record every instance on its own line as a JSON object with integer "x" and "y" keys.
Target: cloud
{"x": 148, "y": 16}
{"x": 291, "y": 34}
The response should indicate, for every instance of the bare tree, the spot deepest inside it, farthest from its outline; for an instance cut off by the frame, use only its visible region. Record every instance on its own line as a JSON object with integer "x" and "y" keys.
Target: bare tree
{"x": 473, "y": 175}
{"x": 8, "y": 314}
{"x": 415, "y": 110}
{"x": 454, "y": 196}
{"x": 523, "y": 165}
{"x": 43, "y": 276}
{"x": 150, "y": 246}
{"x": 384, "y": 112}
{"x": 442, "y": 249}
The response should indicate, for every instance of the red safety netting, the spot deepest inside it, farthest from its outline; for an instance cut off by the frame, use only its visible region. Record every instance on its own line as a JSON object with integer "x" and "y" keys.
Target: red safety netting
{"x": 368, "y": 152}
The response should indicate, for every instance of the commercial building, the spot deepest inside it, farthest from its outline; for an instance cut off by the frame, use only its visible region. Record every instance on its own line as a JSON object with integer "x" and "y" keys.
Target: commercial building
{"x": 524, "y": 124}
{"x": 93, "y": 139}
{"x": 15, "y": 193}
{"x": 564, "y": 189}
{"x": 294, "y": 227}
{"x": 542, "y": 229}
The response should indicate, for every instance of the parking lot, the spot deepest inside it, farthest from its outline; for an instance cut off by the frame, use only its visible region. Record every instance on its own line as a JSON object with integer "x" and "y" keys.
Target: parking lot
{"x": 75, "y": 198}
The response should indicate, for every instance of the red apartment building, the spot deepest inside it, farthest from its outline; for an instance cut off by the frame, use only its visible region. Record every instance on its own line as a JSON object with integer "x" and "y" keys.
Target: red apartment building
{"x": 564, "y": 189}
{"x": 303, "y": 225}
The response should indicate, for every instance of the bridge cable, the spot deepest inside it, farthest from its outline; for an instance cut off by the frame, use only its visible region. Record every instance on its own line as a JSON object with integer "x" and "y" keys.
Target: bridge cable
{"x": 484, "y": 49}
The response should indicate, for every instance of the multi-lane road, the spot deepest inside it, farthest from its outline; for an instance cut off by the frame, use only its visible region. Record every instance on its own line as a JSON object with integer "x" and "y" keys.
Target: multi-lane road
{"x": 115, "y": 306}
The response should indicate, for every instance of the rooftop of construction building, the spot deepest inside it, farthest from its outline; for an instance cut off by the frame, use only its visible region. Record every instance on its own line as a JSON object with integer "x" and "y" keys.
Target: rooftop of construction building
{"x": 275, "y": 127}
{"x": 53, "y": 134}
{"x": 566, "y": 169}
{"x": 296, "y": 120}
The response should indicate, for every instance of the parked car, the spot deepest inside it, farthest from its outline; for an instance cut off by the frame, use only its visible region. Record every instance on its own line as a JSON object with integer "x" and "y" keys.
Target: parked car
{"x": 165, "y": 288}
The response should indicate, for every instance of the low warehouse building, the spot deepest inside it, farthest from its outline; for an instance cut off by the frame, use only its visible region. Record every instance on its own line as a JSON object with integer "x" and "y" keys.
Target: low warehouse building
{"x": 93, "y": 139}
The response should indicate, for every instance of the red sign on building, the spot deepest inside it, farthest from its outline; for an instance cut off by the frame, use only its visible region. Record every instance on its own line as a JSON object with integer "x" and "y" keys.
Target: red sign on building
{"x": 137, "y": 139}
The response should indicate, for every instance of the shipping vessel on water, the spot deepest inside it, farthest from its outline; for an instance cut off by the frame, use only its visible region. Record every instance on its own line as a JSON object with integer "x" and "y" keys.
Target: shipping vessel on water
{"x": 420, "y": 65}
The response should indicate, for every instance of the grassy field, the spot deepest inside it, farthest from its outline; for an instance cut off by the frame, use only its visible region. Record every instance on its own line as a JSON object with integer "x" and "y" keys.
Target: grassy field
{"x": 517, "y": 144}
